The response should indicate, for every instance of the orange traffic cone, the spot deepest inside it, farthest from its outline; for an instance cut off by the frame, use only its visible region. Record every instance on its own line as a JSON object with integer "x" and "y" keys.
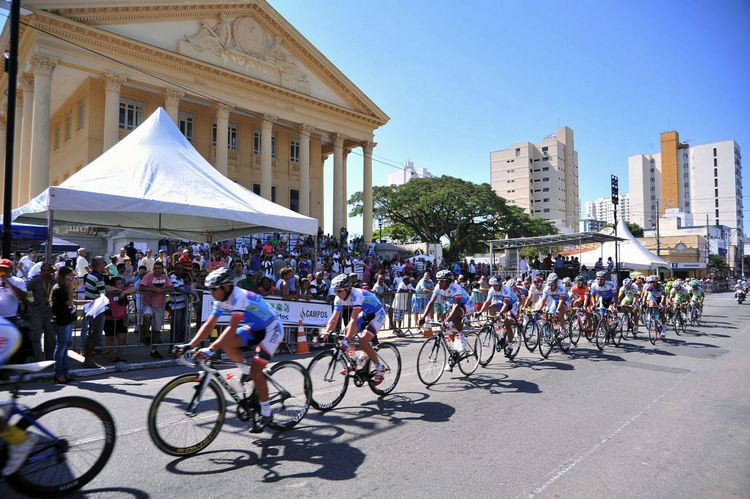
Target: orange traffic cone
{"x": 302, "y": 347}
{"x": 427, "y": 329}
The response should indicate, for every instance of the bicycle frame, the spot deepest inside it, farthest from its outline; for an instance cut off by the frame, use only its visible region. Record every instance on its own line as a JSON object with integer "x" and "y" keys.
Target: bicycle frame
{"x": 19, "y": 410}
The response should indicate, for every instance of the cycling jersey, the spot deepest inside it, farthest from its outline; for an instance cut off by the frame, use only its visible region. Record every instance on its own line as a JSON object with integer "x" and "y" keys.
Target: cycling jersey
{"x": 361, "y": 298}
{"x": 696, "y": 294}
{"x": 254, "y": 310}
{"x": 557, "y": 293}
{"x": 453, "y": 292}
{"x": 654, "y": 291}
{"x": 579, "y": 292}
{"x": 605, "y": 291}
{"x": 522, "y": 292}
{"x": 535, "y": 293}
{"x": 679, "y": 294}
{"x": 629, "y": 292}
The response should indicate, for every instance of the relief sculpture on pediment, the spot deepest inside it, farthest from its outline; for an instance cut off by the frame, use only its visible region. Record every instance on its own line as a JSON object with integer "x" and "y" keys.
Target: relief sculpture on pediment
{"x": 240, "y": 44}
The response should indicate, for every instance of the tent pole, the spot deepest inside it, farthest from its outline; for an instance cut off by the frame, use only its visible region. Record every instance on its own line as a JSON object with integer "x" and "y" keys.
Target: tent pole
{"x": 50, "y": 225}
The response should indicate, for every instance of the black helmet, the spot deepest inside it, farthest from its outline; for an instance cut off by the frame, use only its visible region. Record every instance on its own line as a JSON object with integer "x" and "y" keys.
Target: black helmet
{"x": 219, "y": 277}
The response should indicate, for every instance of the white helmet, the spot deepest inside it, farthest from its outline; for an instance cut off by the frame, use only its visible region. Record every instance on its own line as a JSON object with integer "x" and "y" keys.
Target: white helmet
{"x": 627, "y": 282}
{"x": 552, "y": 278}
{"x": 601, "y": 274}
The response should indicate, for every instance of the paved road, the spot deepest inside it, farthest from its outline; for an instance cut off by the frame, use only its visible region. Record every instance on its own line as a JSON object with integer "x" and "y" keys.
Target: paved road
{"x": 637, "y": 421}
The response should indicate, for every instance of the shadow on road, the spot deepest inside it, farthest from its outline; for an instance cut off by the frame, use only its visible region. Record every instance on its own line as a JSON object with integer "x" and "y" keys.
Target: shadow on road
{"x": 112, "y": 388}
{"x": 494, "y": 383}
{"x": 111, "y": 492}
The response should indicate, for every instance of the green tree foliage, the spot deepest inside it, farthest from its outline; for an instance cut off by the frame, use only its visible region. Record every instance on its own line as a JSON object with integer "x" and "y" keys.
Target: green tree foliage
{"x": 446, "y": 208}
{"x": 635, "y": 229}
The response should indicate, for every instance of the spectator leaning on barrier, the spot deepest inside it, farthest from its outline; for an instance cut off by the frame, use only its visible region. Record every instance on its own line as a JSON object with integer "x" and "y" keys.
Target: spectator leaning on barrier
{"x": 91, "y": 330}
{"x": 63, "y": 308}
{"x": 115, "y": 318}
{"x": 178, "y": 298}
{"x": 154, "y": 287}
{"x": 40, "y": 315}
{"x": 266, "y": 287}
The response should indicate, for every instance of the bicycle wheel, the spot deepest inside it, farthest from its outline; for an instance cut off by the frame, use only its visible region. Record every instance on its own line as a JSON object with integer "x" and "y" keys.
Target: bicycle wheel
{"x": 574, "y": 327}
{"x": 653, "y": 331}
{"x": 290, "y": 394}
{"x": 186, "y": 415}
{"x": 600, "y": 334}
{"x": 563, "y": 339}
{"x": 84, "y": 437}
{"x": 329, "y": 377}
{"x": 616, "y": 331}
{"x": 469, "y": 360}
{"x": 517, "y": 334}
{"x": 489, "y": 343}
{"x": 431, "y": 360}
{"x": 531, "y": 335}
{"x": 678, "y": 323}
{"x": 391, "y": 358}
{"x": 546, "y": 340}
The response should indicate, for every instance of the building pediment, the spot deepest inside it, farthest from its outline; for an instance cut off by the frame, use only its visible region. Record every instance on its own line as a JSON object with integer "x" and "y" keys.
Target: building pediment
{"x": 245, "y": 37}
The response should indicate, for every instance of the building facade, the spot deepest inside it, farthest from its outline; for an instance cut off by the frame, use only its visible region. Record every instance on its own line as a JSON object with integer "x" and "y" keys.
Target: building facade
{"x": 406, "y": 173}
{"x": 251, "y": 94}
{"x": 602, "y": 209}
{"x": 591, "y": 225}
{"x": 540, "y": 178}
{"x": 702, "y": 180}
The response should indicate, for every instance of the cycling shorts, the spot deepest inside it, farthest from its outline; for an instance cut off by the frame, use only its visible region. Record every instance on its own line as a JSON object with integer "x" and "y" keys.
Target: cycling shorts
{"x": 371, "y": 322}
{"x": 606, "y": 302}
{"x": 266, "y": 340}
{"x": 555, "y": 303}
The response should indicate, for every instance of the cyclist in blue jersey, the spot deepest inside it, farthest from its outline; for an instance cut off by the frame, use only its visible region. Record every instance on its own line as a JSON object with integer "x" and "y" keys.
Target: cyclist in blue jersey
{"x": 604, "y": 291}
{"x": 252, "y": 322}
{"x": 462, "y": 304}
{"x": 501, "y": 299}
{"x": 556, "y": 297}
{"x": 367, "y": 315}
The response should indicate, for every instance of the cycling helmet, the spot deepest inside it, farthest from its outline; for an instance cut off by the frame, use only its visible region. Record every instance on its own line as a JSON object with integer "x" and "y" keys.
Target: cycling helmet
{"x": 219, "y": 277}
{"x": 580, "y": 279}
{"x": 494, "y": 281}
{"x": 627, "y": 282}
{"x": 694, "y": 284}
{"x": 601, "y": 274}
{"x": 341, "y": 281}
{"x": 566, "y": 280}
{"x": 444, "y": 275}
{"x": 652, "y": 278}
{"x": 552, "y": 278}
{"x": 677, "y": 283}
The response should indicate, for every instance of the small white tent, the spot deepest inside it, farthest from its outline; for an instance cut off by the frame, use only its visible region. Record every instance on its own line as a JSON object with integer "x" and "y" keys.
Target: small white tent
{"x": 632, "y": 254}
{"x": 154, "y": 180}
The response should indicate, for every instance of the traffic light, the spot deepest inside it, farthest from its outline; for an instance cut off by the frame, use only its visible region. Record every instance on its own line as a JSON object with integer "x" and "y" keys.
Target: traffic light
{"x": 615, "y": 191}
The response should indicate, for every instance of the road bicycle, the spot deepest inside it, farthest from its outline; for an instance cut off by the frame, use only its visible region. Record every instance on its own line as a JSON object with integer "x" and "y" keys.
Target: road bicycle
{"x": 492, "y": 336}
{"x": 531, "y": 326}
{"x": 578, "y": 325}
{"x": 74, "y": 436}
{"x": 553, "y": 333}
{"x": 695, "y": 312}
{"x": 628, "y": 322}
{"x": 187, "y": 414}
{"x": 436, "y": 354}
{"x": 680, "y": 319}
{"x": 652, "y": 320}
{"x": 607, "y": 329}
{"x": 331, "y": 370}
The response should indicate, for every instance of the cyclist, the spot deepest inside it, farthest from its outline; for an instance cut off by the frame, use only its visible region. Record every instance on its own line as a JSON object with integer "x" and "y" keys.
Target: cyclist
{"x": 696, "y": 294}
{"x": 554, "y": 294}
{"x": 535, "y": 292}
{"x": 628, "y": 295}
{"x": 462, "y": 305}
{"x": 521, "y": 290}
{"x": 655, "y": 296}
{"x": 580, "y": 295}
{"x": 367, "y": 314}
{"x": 604, "y": 291}
{"x": 501, "y": 299}
{"x": 252, "y": 322}
{"x": 679, "y": 295}
{"x": 568, "y": 284}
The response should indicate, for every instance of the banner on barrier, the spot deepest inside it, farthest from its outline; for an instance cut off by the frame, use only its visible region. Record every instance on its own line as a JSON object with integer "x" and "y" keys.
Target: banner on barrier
{"x": 311, "y": 313}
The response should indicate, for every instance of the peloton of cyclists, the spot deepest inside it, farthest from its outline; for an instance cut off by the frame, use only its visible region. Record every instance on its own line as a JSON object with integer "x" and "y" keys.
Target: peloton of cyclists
{"x": 462, "y": 305}
{"x": 655, "y": 297}
{"x": 501, "y": 300}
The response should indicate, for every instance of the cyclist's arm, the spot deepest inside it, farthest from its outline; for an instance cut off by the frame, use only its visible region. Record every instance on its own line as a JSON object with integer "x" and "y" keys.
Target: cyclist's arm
{"x": 351, "y": 328}
{"x": 429, "y": 308}
{"x": 485, "y": 305}
{"x": 234, "y": 322}
{"x": 333, "y": 321}
{"x": 204, "y": 331}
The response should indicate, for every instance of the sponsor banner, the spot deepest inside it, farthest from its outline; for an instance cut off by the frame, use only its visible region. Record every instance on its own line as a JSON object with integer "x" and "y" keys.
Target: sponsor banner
{"x": 311, "y": 313}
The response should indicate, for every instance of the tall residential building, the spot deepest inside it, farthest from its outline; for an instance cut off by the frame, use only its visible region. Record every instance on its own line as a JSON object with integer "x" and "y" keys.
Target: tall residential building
{"x": 702, "y": 180}
{"x": 406, "y": 173}
{"x": 602, "y": 209}
{"x": 540, "y": 178}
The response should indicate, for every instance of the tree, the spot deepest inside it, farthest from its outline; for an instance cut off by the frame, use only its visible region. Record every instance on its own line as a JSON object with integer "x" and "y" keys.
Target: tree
{"x": 718, "y": 263}
{"x": 448, "y": 208}
{"x": 635, "y": 229}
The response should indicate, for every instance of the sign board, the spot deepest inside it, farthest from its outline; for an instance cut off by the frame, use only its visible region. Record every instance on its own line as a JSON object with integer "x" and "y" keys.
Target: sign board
{"x": 312, "y": 313}
{"x": 676, "y": 265}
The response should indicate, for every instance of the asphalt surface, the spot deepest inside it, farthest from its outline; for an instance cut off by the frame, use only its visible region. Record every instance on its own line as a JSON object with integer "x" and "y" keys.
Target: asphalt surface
{"x": 671, "y": 420}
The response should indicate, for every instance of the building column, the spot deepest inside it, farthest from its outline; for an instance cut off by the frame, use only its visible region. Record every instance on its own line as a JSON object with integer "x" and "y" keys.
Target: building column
{"x": 304, "y": 169}
{"x": 344, "y": 197}
{"x": 22, "y": 155}
{"x": 111, "y": 128}
{"x": 172, "y": 103}
{"x": 222, "y": 138}
{"x": 367, "y": 191}
{"x": 338, "y": 179}
{"x": 266, "y": 159}
{"x": 40, "y": 124}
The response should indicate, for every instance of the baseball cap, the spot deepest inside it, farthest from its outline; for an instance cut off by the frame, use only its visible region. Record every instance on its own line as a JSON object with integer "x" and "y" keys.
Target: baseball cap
{"x": 5, "y": 263}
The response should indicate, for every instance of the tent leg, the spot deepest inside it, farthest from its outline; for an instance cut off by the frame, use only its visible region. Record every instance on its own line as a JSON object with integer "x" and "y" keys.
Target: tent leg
{"x": 50, "y": 226}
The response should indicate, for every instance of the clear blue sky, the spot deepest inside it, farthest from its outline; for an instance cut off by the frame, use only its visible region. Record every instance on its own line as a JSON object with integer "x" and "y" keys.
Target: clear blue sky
{"x": 461, "y": 79}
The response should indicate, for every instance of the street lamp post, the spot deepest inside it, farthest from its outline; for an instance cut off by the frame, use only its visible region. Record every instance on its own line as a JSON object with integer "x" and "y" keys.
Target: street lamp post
{"x": 380, "y": 229}
{"x": 12, "y": 70}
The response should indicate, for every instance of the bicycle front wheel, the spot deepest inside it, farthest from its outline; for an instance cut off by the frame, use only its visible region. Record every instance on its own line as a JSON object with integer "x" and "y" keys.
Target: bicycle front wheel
{"x": 564, "y": 338}
{"x": 546, "y": 340}
{"x": 531, "y": 335}
{"x": 489, "y": 342}
{"x": 329, "y": 376}
{"x": 574, "y": 327}
{"x": 289, "y": 393}
{"x": 600, "y": 334}
{"x": 390, "y": 357}
{"x": 431, "y": 360}
{"x": 84, "y": 437}
{"x": 186, "y": 415}
{"x": 469, "y": 360}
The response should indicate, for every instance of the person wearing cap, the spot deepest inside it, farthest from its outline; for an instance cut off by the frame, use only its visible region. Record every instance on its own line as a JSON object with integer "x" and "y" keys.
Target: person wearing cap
{"x": 82, "y": 265}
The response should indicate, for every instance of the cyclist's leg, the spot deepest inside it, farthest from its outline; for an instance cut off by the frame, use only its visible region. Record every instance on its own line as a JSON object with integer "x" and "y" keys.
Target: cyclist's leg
{"x": 268, "y": 341}
{"x": 369, "y": 332}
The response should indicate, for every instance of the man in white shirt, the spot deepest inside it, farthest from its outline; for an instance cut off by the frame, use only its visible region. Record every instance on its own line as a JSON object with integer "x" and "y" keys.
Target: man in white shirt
{"x": 82, "y": 265}
{"x": 26, "y": 262}
{"x": 148, "y": 260}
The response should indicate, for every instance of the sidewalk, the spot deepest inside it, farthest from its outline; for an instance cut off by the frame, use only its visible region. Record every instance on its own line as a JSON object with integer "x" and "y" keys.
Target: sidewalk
{"x": 139, "y": 357}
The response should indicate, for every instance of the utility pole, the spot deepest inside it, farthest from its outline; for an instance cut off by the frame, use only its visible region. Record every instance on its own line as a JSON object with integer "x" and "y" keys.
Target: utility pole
{"x": 615, "y": 202}
{"x": 11, "y": 67}
{"x": 658, "y": 246}
{"x": 708, "y": 242}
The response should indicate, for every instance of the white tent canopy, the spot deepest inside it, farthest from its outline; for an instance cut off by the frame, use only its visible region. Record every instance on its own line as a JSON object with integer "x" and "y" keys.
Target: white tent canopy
{"x": 632, "y": 254}
{"x": 154, "y": 180}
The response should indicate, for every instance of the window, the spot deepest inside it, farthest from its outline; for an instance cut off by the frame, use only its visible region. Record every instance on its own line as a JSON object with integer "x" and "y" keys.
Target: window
{"x": 57, "y": 136}
{"x": 273, "y": 145}
{"x": 231, "y": 136}
{"x": 294, "y": 150}
{"x": 546, "y": 158}
{"x": 294, "y": 200}
{"x": 714, "y": 152}
{"x": 546, "y": 189}
{"x": 686, "y": 175}
{"x": 716, "y": 172}
{"x": 651, "y": 160}
{"x": 653, "y": 189}
{"x": 716, "y": 163}
{"x": 545, "y": 179}
{"x": 256, "y": 189}
{"x": 81, "y": 114}
{"x": 545, "y": 169}
{"x": 716, "y": 203}
{"x": 256, "y": 141}
{"x": 518, "y": 151}
{"x": 68, "y": 124}
{"x": 546, "y": 210}
{"x": 716, "y": 193}
{"x": 653, "y": 197}
{"x": 545, "y": 149}
{"x": 545, "y": 200}
{"x": 716, "y": 182}
{"x": 273, "y": 193}
{"x": 687, "y": 185}
{"x": 131, "y": 113}
{"x": 717, "y": 214}
{"x": 687, "y": 205}
{"x": 185, "y": 122}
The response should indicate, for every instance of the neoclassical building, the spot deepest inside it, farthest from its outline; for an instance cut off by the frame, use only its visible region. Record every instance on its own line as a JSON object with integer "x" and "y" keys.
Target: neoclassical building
{"x": 251, "y": 94}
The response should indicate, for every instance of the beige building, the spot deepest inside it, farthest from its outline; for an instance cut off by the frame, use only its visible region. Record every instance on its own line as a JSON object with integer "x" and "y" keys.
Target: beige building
{"x": 251, "y": 94}
{"x": 540, "y": 178}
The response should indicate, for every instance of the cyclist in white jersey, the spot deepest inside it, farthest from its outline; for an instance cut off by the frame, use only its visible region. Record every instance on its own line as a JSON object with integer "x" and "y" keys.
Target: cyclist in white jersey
{"x": 501, "y": 299}
{"x": 451, "y": 292}
{"x": 535, "y": 292}
{"x": 556, "y": 296}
